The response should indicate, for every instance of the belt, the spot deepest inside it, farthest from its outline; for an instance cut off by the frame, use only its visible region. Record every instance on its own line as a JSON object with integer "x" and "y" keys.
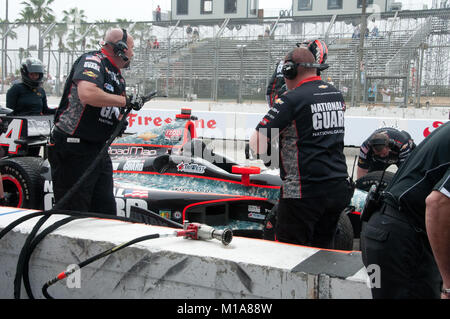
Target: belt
{"x": 70, "y": 138}
{"x": 394, "y": 212}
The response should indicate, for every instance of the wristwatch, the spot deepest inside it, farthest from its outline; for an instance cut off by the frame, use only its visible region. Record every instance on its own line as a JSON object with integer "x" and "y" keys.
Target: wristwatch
{"x": 446, "y": 291}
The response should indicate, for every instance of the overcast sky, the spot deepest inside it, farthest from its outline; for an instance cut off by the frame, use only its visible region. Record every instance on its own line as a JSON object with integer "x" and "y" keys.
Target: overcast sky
{"x": 139, "y": 10}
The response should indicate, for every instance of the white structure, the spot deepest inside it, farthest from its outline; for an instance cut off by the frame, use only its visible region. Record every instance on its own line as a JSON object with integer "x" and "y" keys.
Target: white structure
{"x": 214, "y": 9}
{"x": 338, "y": 7}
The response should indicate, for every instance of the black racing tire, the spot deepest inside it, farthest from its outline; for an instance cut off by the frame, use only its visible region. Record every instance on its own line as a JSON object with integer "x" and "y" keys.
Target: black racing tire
{"x": 344, "y": 236}
{"x": 373, "y": 178}
{"x": 22, "y": 182}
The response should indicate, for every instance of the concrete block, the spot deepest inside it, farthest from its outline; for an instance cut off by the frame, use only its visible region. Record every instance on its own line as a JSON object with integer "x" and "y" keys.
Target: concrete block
{"x": 165, "y": 268}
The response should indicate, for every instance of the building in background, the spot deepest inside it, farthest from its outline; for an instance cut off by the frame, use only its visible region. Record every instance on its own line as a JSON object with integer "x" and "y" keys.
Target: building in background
{"x": 212, "y": 10}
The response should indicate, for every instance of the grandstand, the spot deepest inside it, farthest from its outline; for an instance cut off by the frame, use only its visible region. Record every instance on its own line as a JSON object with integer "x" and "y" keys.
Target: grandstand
{"x": 234, "y": 57}
{"x": 235, "y": 66}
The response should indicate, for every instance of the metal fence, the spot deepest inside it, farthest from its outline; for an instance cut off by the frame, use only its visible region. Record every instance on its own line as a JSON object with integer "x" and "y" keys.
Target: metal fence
{"x": 408, "y": 56}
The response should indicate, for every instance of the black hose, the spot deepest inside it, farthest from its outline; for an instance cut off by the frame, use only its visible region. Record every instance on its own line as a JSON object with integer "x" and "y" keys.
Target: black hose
{"x": 32, "y": 242}
{"x": 82, "y": 264}
{"x": 20, "y": 263}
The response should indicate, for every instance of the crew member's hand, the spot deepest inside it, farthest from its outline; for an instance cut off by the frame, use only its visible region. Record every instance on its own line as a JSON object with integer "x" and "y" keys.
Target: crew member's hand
{"x": 134, "y": 101}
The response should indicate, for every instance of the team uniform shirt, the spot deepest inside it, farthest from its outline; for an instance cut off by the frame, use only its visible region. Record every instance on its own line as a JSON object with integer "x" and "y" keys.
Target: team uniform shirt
{"x": 400, "y": 146}
{"x": 310, "y": 120}
{"x": 423, "y": 172}
{"x": 276, "y": 85}
{"x": 24, "y": 100}
{"x": 92, "y": 124}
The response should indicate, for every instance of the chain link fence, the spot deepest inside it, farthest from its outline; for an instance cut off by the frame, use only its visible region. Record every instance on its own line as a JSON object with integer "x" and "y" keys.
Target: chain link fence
{"x": 405, "y": 57}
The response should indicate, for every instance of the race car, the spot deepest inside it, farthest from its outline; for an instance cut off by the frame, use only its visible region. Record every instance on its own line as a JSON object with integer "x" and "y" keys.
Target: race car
{"x": 168, "y": 171}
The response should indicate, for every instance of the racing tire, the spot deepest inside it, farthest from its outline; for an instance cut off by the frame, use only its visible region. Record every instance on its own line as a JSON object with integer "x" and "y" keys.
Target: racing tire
{"x": 373, "y": 178}
{"x": 22, "y": 182}
{"x": 343, "y": 237}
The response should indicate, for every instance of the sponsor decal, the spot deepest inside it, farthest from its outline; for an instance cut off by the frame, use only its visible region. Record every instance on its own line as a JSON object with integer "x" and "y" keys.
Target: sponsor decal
{"x": 92, "y": 65}
{"x": 254, "y": 209}
{"x": 123, "y": 205}
{"x": 191, "y": 168}
{"x": 279, "y": 101}
{"x": 109, "y": 87}
{"x": 264, "y": 121}
{"x": 136, "y": 166}
{"x": 131, "y": 151}
{"x": 147, "y": 136}
{"x": 323, "y": 86}
{"x": 435, "y": 125}
{"x": 177, "y": 215}
{"x": 93, "y": 58}
{"x": 90, "y": 74}
{"x": 165, "y": 213}
{"x": 136, "y": 193}
{"x": 173, "y": 134}
{"x": 328, "y": 118}
{"x": 113, "y": 76}
{"x": 256, "y": 216}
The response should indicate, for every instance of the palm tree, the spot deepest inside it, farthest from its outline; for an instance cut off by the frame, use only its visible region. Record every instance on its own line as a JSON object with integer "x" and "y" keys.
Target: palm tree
{"x": 60, "y": 32}
{"x": 74, "y": 18}
{"x": 49, "y": 39}
{"x": 41, "y": 10}
{"x": 123, "y": 23}
{"x": 26, "y": 18}
{"x": 5, "y": 25}
{"x": 103, "y": 26}
{"x": 142, "y": 31}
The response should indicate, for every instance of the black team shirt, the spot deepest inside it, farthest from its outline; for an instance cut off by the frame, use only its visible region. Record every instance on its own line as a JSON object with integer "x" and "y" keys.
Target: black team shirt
{"x": 310, "y": 119}
{"x": 425, "y": 170}
{"x": 90, "y": 123}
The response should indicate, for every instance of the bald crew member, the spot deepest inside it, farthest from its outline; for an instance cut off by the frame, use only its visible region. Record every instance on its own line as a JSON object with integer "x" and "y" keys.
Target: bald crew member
{"x": 91, "y": 107}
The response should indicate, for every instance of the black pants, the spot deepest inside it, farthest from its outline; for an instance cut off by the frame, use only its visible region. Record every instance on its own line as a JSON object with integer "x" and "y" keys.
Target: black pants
{"x": 312, "y": 221}
{"x": 403, "y": 254}
{"x": 68, "y": 163}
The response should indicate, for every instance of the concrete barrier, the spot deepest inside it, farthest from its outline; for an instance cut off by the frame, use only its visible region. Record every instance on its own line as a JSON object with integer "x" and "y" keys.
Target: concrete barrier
{"x": 171, "y": 268}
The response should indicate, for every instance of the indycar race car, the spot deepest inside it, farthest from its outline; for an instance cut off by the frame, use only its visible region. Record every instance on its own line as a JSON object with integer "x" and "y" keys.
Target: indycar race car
{"x": 168, "y": 171}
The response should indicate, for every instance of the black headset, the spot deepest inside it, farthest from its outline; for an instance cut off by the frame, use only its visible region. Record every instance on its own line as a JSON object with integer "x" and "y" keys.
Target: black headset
{"x": 120, "y": 46}
{"x": 290, "y": 67}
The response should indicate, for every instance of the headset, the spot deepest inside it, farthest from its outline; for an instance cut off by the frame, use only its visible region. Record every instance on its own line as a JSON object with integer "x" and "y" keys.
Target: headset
{"x": 290, "y": 67}
{"x": 120, "y": 46}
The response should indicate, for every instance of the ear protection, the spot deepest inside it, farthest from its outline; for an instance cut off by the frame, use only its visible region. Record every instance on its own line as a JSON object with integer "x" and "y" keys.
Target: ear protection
{"x": 120, "y": 46}
{"x": 290, "y": 67}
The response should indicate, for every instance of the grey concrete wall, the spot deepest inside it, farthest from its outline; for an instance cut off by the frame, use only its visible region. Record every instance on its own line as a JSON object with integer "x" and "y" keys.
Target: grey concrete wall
{"x": 169, "y": 268}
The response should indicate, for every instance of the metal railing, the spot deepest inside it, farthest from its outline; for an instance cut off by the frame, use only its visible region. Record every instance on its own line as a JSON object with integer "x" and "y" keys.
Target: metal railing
{"x": 233, "y": 62}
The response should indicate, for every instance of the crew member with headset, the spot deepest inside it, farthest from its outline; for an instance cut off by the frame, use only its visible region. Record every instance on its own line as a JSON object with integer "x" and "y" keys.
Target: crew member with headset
{"x": 406, "y": 233}
{"x": 92, "y": 105}
{"x": 385, "y": 147}
{"x": 277, "y": 85}
{"x": 28, "y": 97}
{"x": 309, "y": 122}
